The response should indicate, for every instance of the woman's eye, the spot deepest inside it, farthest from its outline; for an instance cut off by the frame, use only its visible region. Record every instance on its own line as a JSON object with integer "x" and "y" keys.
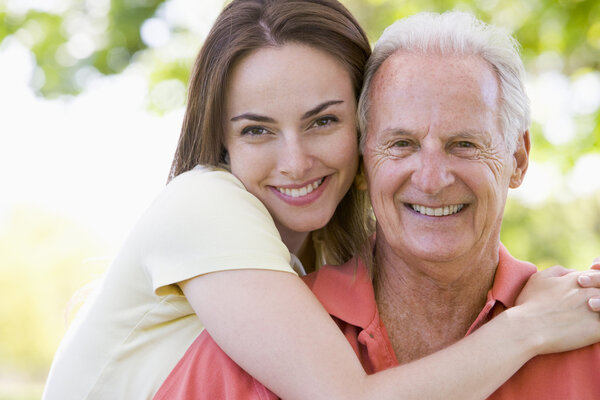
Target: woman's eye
{"x": 325, "y": 121}
{"x": 254, "y": 131}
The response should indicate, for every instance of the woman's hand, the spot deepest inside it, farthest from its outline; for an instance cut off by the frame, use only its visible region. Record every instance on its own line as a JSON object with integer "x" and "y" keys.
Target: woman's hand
{"x": 560, "y": 308}
{"x": 587, "y": 280}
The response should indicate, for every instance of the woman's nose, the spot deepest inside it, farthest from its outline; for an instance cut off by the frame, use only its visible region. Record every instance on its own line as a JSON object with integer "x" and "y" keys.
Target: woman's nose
{"x": 295, "y": 160}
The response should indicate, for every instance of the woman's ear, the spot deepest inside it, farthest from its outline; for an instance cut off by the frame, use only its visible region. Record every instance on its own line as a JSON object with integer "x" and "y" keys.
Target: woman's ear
{"x": 521, "y": 156}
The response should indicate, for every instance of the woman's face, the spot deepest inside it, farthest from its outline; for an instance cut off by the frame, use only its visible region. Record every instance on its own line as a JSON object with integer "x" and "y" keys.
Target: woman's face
{"x": 290, "y": 133}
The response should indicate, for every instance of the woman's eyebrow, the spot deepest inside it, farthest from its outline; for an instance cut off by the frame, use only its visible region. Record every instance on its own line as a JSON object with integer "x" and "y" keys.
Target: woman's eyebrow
{"x": 314, "y": 111}
{"x": 253, "y": 117}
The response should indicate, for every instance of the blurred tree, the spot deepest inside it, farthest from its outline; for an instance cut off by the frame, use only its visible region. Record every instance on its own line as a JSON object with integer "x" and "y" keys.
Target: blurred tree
{"x": 560, "y": 46}
{"x": 87, "y": 37}
{"x": 45, "y": 259}
{"x": 101, "y": 36}
{"x": 554, "y": 232}
{"x": 560, "y": 41}
{"x": 79, "y": 39}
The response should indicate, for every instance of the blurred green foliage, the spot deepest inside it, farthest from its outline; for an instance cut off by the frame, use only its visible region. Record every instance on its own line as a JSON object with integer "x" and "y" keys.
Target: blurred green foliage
{"x": 90, "y": 37}
{"x": 112, "y": 36}
{"x": 554, "y": 232}
{"x": 50, "y": 258}
{"x": 569, "y": 30}
{"x": 47, "y": 256}
{"x": 45, "y": 260}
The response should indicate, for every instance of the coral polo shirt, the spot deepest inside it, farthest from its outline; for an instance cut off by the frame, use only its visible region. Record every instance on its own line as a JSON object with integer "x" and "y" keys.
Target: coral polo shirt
{"x": 346, "y": 292}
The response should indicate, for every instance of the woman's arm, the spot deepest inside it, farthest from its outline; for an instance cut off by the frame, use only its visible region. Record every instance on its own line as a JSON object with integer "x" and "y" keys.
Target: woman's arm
{"x": 273, "y": 327}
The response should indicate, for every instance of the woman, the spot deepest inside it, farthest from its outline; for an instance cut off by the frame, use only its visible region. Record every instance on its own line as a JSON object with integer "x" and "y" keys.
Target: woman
{"x": 272, "y": 97}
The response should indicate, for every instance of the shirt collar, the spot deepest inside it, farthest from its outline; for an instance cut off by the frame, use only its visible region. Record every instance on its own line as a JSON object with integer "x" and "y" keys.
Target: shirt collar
{"x": 511, "y": 276}
{"x": 345, "y": 291}
{"x": 297, "y": 265}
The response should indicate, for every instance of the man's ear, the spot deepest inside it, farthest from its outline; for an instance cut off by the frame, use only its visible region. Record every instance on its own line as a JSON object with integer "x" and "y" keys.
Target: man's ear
{"x": 521, "y": 156}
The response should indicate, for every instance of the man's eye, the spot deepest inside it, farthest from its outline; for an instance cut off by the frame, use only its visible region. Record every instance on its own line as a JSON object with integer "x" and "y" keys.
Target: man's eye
{"x": 402, "y": 143}
{"x": 254, "y": 131}
{"x": 465, "y": 144}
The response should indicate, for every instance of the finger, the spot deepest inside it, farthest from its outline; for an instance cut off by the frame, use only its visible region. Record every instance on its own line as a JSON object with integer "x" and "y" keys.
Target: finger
{"x": 589, "y": 279}
{"x": 555, "y": 271}
{"x": 594, "y": 304}
{"x": 596, "y": 263}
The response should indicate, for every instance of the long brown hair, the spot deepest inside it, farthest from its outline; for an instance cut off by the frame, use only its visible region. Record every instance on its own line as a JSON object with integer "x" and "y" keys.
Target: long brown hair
{"x": 247, "y": 25}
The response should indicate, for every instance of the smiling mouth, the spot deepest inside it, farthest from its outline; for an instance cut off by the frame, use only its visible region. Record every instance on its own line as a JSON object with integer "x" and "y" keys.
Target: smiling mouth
{"x": 437, "y": 212}
{"x": 303, "y": 191}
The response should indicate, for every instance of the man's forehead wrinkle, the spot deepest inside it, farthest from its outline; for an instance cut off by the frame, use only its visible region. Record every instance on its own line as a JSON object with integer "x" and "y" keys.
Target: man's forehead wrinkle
{"x": 413, "y": 78}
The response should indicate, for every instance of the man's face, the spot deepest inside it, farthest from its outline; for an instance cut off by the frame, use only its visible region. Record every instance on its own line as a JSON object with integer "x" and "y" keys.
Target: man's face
{"x": 437, "y": 166}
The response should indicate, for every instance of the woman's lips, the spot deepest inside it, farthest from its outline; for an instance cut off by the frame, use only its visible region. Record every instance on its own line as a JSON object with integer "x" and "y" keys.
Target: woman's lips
{"x": 301, "y": 195}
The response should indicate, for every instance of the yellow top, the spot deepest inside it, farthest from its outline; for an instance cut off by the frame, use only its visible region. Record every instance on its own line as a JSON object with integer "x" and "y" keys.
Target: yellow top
{"x": 137, "y": 324}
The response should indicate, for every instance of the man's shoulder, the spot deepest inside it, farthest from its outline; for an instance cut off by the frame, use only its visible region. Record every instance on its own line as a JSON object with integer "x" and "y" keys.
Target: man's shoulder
{"x": 511, "y": 276}
{"x": 206, "y": 372}
{"x": 567, "y": 375}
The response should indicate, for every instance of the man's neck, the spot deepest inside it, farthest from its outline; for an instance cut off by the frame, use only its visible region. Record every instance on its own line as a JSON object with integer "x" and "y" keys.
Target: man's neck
{"x": 428, "y": 305}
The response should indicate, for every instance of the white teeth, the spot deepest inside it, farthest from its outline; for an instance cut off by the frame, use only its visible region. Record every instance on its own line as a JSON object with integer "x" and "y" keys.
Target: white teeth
{"x": 437, "y": 212}
{"x": 303, "y": 191}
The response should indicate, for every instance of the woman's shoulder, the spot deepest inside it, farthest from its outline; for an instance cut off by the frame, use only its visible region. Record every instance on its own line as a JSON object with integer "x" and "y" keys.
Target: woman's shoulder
{"x": 201, "y": 221}
{"x": 204, "y": 194}
{"x": 203, "y": 177}
{"x": 209, "y": 186}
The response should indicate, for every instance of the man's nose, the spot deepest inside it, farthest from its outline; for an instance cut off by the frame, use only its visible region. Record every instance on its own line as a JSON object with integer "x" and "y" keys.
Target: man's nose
{"x": 433, "y": 172}
{"x": 295, "y": 158}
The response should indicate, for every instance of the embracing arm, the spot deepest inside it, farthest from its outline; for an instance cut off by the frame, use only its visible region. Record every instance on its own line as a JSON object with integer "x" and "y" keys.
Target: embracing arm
{"x": 271, "y": 324}
{"x": 275, "y": 329}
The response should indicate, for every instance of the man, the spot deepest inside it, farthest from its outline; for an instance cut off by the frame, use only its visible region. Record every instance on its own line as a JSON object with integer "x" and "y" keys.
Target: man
{"x": 445, "y": 121}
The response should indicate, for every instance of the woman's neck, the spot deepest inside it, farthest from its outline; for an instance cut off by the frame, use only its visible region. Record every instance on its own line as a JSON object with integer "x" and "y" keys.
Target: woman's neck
{"x": 307, "y": 255}
{"x": 300, "y": 244}
{"x": 292, "y": 239}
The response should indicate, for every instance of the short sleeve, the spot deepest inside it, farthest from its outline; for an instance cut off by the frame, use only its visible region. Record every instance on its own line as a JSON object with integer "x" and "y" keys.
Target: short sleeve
{"x": 206, "y": 221}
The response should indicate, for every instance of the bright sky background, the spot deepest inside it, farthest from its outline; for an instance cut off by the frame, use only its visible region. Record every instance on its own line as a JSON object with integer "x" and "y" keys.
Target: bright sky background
{"x": 101, "y": 157}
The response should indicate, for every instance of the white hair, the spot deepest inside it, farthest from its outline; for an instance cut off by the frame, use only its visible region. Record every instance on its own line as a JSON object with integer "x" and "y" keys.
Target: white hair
{"x": 457, "y": 33}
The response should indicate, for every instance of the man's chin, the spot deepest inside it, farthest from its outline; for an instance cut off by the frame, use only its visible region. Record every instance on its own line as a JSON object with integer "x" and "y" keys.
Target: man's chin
{"x": 439, "y": 250}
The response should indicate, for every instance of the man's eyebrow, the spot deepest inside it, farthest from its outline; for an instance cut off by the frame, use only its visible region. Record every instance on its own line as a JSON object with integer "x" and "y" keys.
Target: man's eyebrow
{"x": 253, "y": 117}
{"x": 484, "y": 136}
{"x": 315, "y": 110}
{"x": 467, "y": 134}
